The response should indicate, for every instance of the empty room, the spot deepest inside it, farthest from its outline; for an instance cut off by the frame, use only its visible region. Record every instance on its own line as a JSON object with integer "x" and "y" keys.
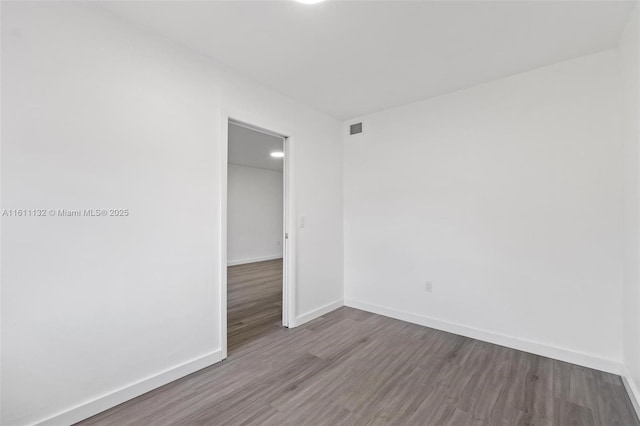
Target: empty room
{"x": 307, "y": 212}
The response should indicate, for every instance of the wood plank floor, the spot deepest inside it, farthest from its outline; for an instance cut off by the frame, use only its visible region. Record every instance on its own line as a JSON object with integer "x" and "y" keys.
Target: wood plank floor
{"x": 254, "y": 301}
{"x": 351, "y": 367}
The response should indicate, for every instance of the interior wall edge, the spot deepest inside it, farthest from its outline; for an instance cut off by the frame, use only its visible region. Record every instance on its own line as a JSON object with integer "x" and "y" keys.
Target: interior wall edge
{"x": 560, "y": 354}
{"x": 632, "y": 390}
{"x": 316, "y": 313}
{"x": 117, "y": 397}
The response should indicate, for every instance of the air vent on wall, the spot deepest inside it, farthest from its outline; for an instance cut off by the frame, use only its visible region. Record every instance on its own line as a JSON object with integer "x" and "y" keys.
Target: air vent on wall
{"x": 355, "y": 128}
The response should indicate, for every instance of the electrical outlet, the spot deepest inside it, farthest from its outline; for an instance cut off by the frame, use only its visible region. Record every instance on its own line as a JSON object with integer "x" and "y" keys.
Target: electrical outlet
{"x": 428, "y": 287}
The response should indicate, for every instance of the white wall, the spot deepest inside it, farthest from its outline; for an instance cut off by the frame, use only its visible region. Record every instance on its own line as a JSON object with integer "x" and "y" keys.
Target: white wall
{"x": 255, "y": 214}
{"x": 97, "y": 114}
{"x": 629, "y": 52}
{"x": 507, "y": 197}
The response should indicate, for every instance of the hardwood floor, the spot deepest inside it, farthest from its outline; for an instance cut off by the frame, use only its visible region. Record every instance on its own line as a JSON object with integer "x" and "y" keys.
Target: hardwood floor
{"x": 254, "y": 301}
{"x": 351, "y": 367}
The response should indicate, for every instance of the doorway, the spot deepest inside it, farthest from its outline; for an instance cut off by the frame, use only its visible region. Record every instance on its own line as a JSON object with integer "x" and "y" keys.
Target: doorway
{"x": 256, "y": 252}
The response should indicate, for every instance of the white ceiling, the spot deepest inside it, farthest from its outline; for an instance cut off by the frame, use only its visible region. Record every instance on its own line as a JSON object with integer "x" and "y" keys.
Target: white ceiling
{"x": 352, "y": 58}
{"x": 251, "y": 148}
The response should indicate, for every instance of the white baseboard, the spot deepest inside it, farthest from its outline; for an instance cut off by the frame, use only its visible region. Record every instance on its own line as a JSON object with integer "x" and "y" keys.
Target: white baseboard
{"x": 316, "y": 313}
{"x": 253, "y": 259}
{"x": 602, "y": 364}
{"x": 102, "y": 403}
{"x": 632, "y": 390}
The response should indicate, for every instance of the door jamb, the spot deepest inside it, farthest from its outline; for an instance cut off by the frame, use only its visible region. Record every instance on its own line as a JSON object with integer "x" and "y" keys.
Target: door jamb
{"x": 289, "y": 229}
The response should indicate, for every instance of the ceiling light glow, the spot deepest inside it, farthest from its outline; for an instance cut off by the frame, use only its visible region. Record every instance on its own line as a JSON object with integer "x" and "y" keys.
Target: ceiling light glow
{"x": 277, "y": 154}
{"x": 309, "y": 1}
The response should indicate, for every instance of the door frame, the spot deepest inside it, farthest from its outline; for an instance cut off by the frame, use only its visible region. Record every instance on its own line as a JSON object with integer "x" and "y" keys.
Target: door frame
{"x": 289, "y": 230}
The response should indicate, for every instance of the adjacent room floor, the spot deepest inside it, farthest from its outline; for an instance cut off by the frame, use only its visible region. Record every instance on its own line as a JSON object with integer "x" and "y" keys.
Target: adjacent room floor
{"x": 254, "y": 301}
{"x": 351, "y": 367}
